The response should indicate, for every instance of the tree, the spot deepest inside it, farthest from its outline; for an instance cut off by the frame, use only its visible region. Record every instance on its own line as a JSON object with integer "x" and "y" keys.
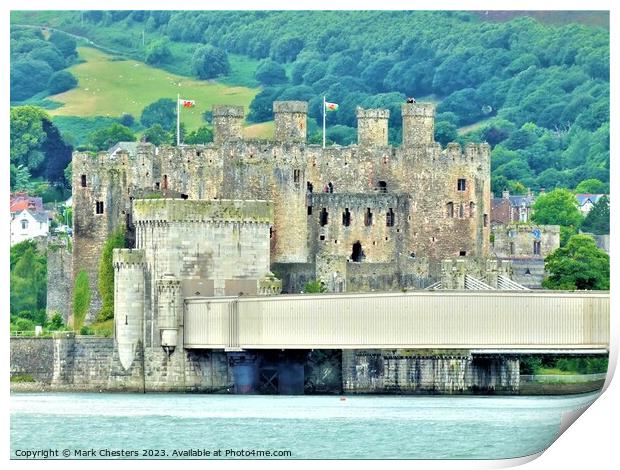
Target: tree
{"x": 156, "y": 135}
{"x": 559, "y": 207}
{"x": 592, "y": 186}
{"x": 57, "y": 154}
{"x": 210, "y": 62}
{"x": 61, "y": 81}
{"x": 597, "y": 220}
{"x": 105, "y": 138}
{"x": 65, "y": 43}
{"x": 270, "y": 73}
{"x": 27, "y": 136}
{"x": 286, "y": 49}
{"x": 158, "y": 52}
{"x": 578, "y": 265}
{"x": 81, "y": 299}
{"x": 445, "y": 132}
{"x": 50, "y": 55}
{"x": 127, "y": 120}
{"x": 162, "y": 112}
{"x": 106, "y": 274}
{"x": 28, "y": 290}
{"x": 202, "y": 135}
{"x": 28, "y": 77}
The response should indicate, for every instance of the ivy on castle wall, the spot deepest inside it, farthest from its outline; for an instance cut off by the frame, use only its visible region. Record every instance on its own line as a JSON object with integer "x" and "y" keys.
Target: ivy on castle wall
{"x": 106, "y": 274}
{"x": 81, "y": 299}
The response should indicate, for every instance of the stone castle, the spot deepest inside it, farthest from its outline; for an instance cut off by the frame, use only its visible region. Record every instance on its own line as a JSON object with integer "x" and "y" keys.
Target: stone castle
{"x": 365, "y": 217}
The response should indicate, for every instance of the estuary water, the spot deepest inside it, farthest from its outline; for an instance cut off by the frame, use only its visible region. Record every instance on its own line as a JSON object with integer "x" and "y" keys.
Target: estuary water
{"x": 81, "y": 425}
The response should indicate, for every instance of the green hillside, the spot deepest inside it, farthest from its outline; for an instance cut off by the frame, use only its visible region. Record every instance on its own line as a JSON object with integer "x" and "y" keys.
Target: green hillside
{"x": 109, "y": 87}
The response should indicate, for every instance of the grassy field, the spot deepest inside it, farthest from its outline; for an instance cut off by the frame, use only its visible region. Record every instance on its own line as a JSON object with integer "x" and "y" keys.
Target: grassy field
{"x": 109, "y": 88}
{"x": 263, "y": 130}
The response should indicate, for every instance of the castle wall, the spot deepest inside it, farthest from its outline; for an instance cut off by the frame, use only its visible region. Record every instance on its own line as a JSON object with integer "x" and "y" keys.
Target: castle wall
{"x": 59, "y": 279}
{"x": 411, "y": 372}
{"x": 419, "y": 178}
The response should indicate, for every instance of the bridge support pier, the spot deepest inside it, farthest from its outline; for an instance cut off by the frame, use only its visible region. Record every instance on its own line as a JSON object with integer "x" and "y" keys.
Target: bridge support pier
{"x": 291, "y": 374}
{"x": 245, "y": 371}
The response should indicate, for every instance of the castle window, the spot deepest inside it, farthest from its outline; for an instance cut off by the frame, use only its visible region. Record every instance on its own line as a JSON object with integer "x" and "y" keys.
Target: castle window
{"x": 322, "y": 237}
{"x": 99, "y": 207}
{"x": 368, "y": 217}
{"x": 461, "y": 211}
{"x": 324, "y": 217}
{"x": 184, "y": 196}
{"x": 83, "y": 178}
{"x": 270, "y": 232}
{"x": 165, "y": 185}
{"x": 461, "y": 184}
{"x": 450, "y": 209}
{"x": 198, "y": 153}
{"x": 486, "y": 220}
{"x": 309, "y": 187}
{"x": 382, "y": 185}
{"x": 156, "y": 184}
{"x": 462, "y": 253}
{"x": 412, "y": 254}
{"x": 390, "y": 218}
{"x": 537, "y": 248}
{"x": 472, "y": 208}
{"x": 346, "y": 218}
{"x": 309, "y": 210}
{"x": 357, "y": 255}
{"x": 330, "y": 187}
{"x": 527, "y": 271}
{"x": 296, "y": 174}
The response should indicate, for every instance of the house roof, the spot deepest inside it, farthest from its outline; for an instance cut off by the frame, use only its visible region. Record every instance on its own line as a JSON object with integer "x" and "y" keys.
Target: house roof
{"x": 38, "y": 216}
{"x": 130, "y": 147}
{"x": 583, "y": 198}
{"x": 21, "y": 201}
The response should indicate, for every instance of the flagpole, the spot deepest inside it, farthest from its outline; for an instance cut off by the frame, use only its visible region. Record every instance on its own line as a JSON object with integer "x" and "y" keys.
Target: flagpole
{"x": 178, "y": 121}
{"x": 323, "y": 121}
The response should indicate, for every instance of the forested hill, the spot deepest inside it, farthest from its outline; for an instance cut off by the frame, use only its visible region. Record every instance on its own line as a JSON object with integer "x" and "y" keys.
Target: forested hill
{"x": 538, "y": 93}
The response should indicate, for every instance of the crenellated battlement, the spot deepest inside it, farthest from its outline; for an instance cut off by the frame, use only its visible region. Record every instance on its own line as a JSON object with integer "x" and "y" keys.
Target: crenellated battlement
{"x": 216, "y": 210}
{"x": 128, "y": 258}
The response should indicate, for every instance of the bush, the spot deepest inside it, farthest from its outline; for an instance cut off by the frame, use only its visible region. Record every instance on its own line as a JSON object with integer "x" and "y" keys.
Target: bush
{"x": 23, "y": 324}
{"x": 314, "y": 287}
{"x": 55, "y": 323}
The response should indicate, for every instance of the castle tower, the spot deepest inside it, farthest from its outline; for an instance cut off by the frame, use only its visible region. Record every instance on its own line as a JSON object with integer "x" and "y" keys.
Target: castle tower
{"x": 170, "y": 308}
{"x": 372, "y": 127}
{"x": 290, "y": 118}
{"x": 418, "y": 123}
{"x": 227, "y": 123}
{"x": 129, "y": 295}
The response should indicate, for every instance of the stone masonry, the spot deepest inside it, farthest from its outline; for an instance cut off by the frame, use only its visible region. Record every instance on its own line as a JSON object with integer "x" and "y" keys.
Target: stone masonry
{"x": 377, "y": 208}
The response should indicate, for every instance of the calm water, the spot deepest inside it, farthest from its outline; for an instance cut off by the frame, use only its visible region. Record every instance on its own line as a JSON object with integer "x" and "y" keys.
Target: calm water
{"x": 308, "y": 427}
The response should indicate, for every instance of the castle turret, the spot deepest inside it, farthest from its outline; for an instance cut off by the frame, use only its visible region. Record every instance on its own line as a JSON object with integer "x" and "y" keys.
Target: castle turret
{"x": 129, "y": 294}
{"x": 170, "y": 308}
{"x": 418, "y": 123}
{"x": 227, "y": 123}
{"x": 290, "y": 118}
{"x": 372, "y": 127}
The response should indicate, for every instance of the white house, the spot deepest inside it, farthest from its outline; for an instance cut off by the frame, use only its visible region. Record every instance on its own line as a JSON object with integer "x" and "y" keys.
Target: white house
{"x": 26, "y": 225}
